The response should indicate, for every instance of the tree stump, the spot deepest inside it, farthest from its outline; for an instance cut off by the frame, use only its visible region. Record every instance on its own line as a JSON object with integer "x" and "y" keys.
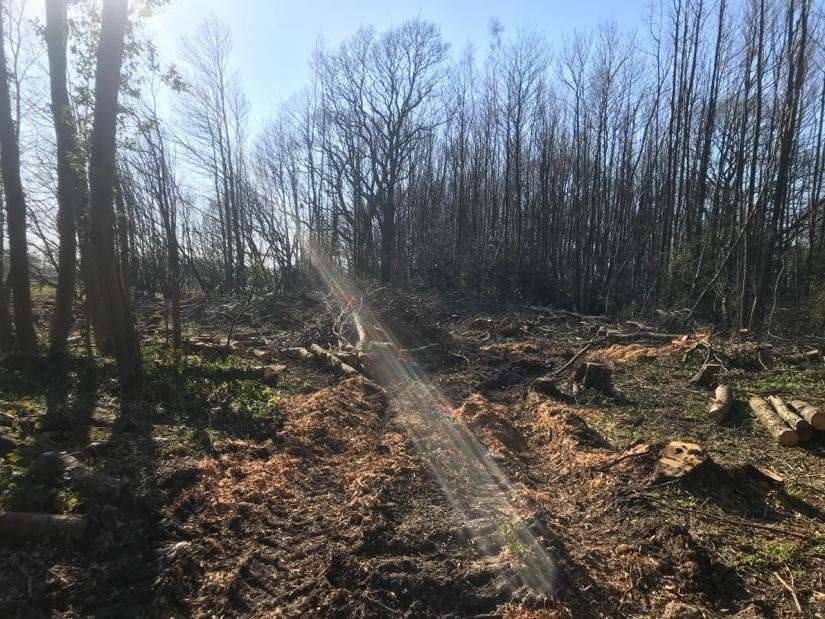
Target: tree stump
{"x": 596, "y": 376}
{"x": 272, "y": 373}
{"x": 546, "y": 385}
{"x": 678, "y": 459}
{"x": 707, "y": 376}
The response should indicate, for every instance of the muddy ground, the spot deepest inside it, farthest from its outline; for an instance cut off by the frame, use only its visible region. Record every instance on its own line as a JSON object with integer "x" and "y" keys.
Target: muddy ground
{"x": 309, "y": 496}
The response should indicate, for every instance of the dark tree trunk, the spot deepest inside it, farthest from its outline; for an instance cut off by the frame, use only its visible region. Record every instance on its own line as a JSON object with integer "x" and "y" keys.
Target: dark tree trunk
{"x": 16, "y": 213}
{"x": 71, "y": 184}
{"x": 101, "y": 211}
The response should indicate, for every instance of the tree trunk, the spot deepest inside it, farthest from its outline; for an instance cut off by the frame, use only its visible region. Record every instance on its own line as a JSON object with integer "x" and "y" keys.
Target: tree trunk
{"x": 71, "y": 186}
{"x": 16, "y": 211}
{"x": 388, "y": 237}
{"x": 101, "y": 211}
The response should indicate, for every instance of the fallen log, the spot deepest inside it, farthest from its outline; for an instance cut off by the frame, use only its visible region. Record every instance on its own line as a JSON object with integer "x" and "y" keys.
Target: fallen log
{"x": 7, "y": 444}
{"x": 330, "y": 359}
{"x": 774, "y": 424}
{"x": 53, "y": 463}
{"x": 809, "y": 413}
{"x": 299, "y": 352}
{"x": 813, "y": 356}
{"x": 720, "y": 405}
{"x": 22, "y": 527}
{"x": 707, "y": 376}
{"x": 802, "y": 427}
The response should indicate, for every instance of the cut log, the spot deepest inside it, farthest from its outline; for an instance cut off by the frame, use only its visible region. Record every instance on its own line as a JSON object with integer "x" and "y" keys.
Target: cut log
{"x": 813, "y": 356}
{"x": 262, "y": 354}
{"x": 776, "y": 426}
{"x": 272, "y": 373}
{"x": 719, "y": 406}
{"x": 237, "y": 347}
{"x": 678, "y": 459}
{"x": 327, "y": 357}
{"x": 299, "y": 352}
{"x": 594, "y": 376}
{"x": 802, "y": 427}
{"x": 707, "y": 376}
{"x": 21, "y": 527}
{"x": 809, "y": 413}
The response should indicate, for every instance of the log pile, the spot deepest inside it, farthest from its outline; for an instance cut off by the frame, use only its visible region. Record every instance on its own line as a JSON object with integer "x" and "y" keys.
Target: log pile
{"x": 794, "y": 421}
{"x": 774, "y": 424}
{"x": 812, "y": 415}
{"x": 789, "y": 423}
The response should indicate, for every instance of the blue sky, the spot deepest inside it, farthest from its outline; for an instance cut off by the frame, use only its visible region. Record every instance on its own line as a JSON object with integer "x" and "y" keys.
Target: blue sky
{"x": 274, "y": 39}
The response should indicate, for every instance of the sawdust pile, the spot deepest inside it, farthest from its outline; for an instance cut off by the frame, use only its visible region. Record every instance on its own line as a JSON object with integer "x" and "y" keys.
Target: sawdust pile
{"x": 624, "y": 354}
{"x": 491, "y": 424}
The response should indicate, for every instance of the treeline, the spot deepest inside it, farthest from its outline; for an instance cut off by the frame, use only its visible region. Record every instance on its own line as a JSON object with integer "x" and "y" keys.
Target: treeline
{"x": 678, "y": 168}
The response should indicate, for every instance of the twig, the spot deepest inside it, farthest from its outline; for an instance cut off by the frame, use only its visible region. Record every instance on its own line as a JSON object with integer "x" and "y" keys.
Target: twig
{"x": 575, "y": 357}
{"x": 735, "y": 521}
{"x": 791, "y": 590}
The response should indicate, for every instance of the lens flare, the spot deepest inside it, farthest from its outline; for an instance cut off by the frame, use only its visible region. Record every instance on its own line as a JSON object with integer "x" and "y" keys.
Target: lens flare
{"x": 473, "y": 483}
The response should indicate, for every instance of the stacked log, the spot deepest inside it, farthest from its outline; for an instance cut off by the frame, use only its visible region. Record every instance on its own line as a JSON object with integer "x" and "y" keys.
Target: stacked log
{"x": 774, "y": 424}
{"x": 802, "y": 427}
{"x": 812, "y": 415}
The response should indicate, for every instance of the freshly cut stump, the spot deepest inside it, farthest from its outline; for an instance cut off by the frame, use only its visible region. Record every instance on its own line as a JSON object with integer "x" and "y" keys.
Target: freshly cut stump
{"x": 776, "y": 426}
{"x": 719, "y": 406}
{"x": 809, "y": 413}
{"x": 802, "y": 427}
{"x": 678, "y": 459}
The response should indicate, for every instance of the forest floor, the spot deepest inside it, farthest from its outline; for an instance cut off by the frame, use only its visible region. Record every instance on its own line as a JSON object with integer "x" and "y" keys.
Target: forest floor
{"x": 311, "y": 496}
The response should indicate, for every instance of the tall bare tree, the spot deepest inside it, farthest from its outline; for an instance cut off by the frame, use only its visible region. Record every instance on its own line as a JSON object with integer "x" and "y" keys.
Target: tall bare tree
{"x": 15, "y": 211}
{"x": 102, "y": 165}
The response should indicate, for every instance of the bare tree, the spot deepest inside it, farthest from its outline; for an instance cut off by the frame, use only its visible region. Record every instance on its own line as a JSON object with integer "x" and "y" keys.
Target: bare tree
{"x": 15, "y": 211}
{"x": 101, "y": 185}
